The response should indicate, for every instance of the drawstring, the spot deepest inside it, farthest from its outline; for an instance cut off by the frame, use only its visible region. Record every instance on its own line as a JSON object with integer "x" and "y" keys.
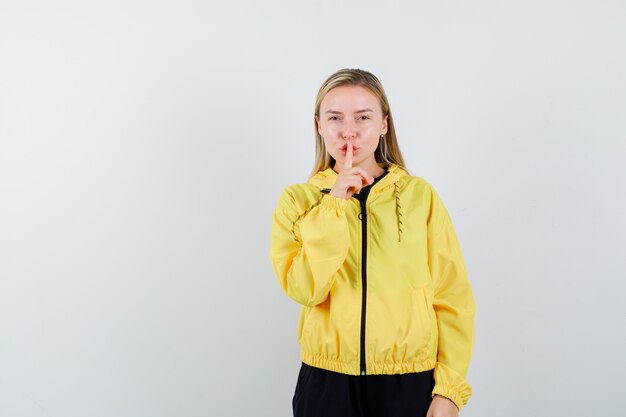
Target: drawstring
{"x": 398, "y": 210}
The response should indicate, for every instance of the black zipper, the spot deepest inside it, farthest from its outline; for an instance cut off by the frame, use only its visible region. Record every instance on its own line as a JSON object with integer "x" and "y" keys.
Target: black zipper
{"x": 363, "y": 278}
{"x": 364, "y": 193}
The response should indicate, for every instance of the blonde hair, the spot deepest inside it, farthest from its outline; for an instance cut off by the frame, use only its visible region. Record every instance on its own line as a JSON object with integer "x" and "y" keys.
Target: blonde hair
{"x": 388, "y": 151}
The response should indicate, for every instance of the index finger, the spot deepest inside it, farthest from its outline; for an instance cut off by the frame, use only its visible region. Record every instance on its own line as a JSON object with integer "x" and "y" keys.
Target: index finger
{"x": 348, "y": 160}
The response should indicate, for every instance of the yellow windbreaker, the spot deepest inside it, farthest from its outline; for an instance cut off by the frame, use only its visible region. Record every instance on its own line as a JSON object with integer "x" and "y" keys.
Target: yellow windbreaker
{"x": 382, "y": 283}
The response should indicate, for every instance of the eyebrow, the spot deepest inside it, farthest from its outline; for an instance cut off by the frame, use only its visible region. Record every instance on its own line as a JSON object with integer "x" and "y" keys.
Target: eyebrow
{"x": 338, "y": 112}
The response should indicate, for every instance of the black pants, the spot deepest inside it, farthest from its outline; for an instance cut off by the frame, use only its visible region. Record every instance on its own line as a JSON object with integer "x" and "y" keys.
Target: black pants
{"x": 323, "y": 393}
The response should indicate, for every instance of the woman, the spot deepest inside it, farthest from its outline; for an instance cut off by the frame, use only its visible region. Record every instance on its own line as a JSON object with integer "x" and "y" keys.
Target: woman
{"x": 387, "y": 320}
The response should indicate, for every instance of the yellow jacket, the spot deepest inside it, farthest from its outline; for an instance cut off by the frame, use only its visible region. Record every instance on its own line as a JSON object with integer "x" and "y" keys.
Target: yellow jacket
{"x": 382, "y": 284}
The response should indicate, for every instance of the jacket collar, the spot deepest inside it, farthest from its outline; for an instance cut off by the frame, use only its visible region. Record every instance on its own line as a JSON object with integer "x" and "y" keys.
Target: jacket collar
{"x": 325, "y": 179}
{"x": 388, "y": 183}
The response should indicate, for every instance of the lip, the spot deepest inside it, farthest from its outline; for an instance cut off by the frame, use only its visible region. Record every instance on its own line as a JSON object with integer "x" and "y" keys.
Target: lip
{"x": 344, "y": 150}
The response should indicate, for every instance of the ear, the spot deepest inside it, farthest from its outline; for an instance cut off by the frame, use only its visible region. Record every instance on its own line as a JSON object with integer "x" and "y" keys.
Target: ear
{"x": 385, "y": 127}
{"x": 317, "y": 122}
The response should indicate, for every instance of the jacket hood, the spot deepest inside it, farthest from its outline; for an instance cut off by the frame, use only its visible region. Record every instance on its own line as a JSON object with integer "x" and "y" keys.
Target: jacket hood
{"x": 390, "y": 182}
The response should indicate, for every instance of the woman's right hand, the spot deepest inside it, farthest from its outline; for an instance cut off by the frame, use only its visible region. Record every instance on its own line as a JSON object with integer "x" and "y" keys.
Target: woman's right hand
{"x": 350, "y": 179}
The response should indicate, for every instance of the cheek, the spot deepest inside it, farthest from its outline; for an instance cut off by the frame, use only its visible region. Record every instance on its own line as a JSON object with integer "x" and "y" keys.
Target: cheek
{"x": 371, "y": 130}
{"x": 330, "y": 140}
{"x": 330, "y": 128}
{"x": 372, "y": 140}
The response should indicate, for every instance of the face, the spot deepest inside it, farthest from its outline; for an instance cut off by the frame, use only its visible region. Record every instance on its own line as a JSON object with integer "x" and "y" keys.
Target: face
{"x": 351, "y": 113}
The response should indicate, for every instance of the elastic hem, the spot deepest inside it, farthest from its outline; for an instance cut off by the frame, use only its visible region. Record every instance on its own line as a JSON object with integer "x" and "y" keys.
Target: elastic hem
{"x": 376, "y": 368}
{"x": 383, "y": 368}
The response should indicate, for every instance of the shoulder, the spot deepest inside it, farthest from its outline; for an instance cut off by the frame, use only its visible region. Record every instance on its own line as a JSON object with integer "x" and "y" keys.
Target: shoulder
{"x": 297, "y": 198}
{"x": 423, "y": 196}
{"x": 418, "y": 186}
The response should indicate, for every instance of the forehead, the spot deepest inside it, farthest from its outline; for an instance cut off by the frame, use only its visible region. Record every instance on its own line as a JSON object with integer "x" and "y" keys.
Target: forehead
{"x": 349, "y": 98}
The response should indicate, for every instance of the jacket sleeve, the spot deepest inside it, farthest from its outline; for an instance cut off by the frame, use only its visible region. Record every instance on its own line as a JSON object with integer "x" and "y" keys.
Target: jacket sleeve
{"x": 307, "y": 248}
{"x": 454, "y": 306}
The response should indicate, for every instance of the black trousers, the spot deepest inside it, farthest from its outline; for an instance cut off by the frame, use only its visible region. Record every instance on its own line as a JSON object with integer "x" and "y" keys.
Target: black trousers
{"x": 323, "y": 393}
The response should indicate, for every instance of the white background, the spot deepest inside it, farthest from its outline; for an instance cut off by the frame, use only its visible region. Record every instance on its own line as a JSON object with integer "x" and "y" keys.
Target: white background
{"x": 143, "y": 147}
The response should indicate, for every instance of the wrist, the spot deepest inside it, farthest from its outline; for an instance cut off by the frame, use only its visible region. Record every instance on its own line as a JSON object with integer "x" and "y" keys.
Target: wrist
{"x": 446, "y": 398}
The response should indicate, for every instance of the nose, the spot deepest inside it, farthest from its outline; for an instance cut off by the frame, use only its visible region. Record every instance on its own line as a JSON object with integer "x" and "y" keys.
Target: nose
{"x": 349, "y": 131}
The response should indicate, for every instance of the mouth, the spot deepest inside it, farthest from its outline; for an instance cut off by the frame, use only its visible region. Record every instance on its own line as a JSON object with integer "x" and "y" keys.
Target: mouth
{"x": 344, "y": 148}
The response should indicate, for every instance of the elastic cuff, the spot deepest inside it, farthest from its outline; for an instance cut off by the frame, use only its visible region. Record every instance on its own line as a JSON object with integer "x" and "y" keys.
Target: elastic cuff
{"x": 450, "y": 393}
{"x": 337, "y": 203}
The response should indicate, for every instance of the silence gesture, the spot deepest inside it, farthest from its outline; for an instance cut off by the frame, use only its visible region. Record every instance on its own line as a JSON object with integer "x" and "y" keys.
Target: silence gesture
{"x": 351, "y": 179}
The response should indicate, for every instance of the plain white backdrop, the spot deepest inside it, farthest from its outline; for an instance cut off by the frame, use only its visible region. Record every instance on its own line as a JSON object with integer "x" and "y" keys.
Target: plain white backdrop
{"x": 144, "y": 145}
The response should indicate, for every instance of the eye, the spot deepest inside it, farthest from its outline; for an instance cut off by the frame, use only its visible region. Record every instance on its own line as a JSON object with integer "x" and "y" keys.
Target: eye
{"x": 365, "y": 117}
{"x": 332, "y": 118}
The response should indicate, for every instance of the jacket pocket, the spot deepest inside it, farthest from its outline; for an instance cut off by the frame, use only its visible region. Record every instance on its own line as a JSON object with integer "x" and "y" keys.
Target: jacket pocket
{"x": 303, "y": 323}
{"x": 422, "y": 309}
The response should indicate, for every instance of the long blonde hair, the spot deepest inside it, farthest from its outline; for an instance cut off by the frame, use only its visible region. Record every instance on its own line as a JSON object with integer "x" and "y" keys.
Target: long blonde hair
{"x": 388, "y": 150}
